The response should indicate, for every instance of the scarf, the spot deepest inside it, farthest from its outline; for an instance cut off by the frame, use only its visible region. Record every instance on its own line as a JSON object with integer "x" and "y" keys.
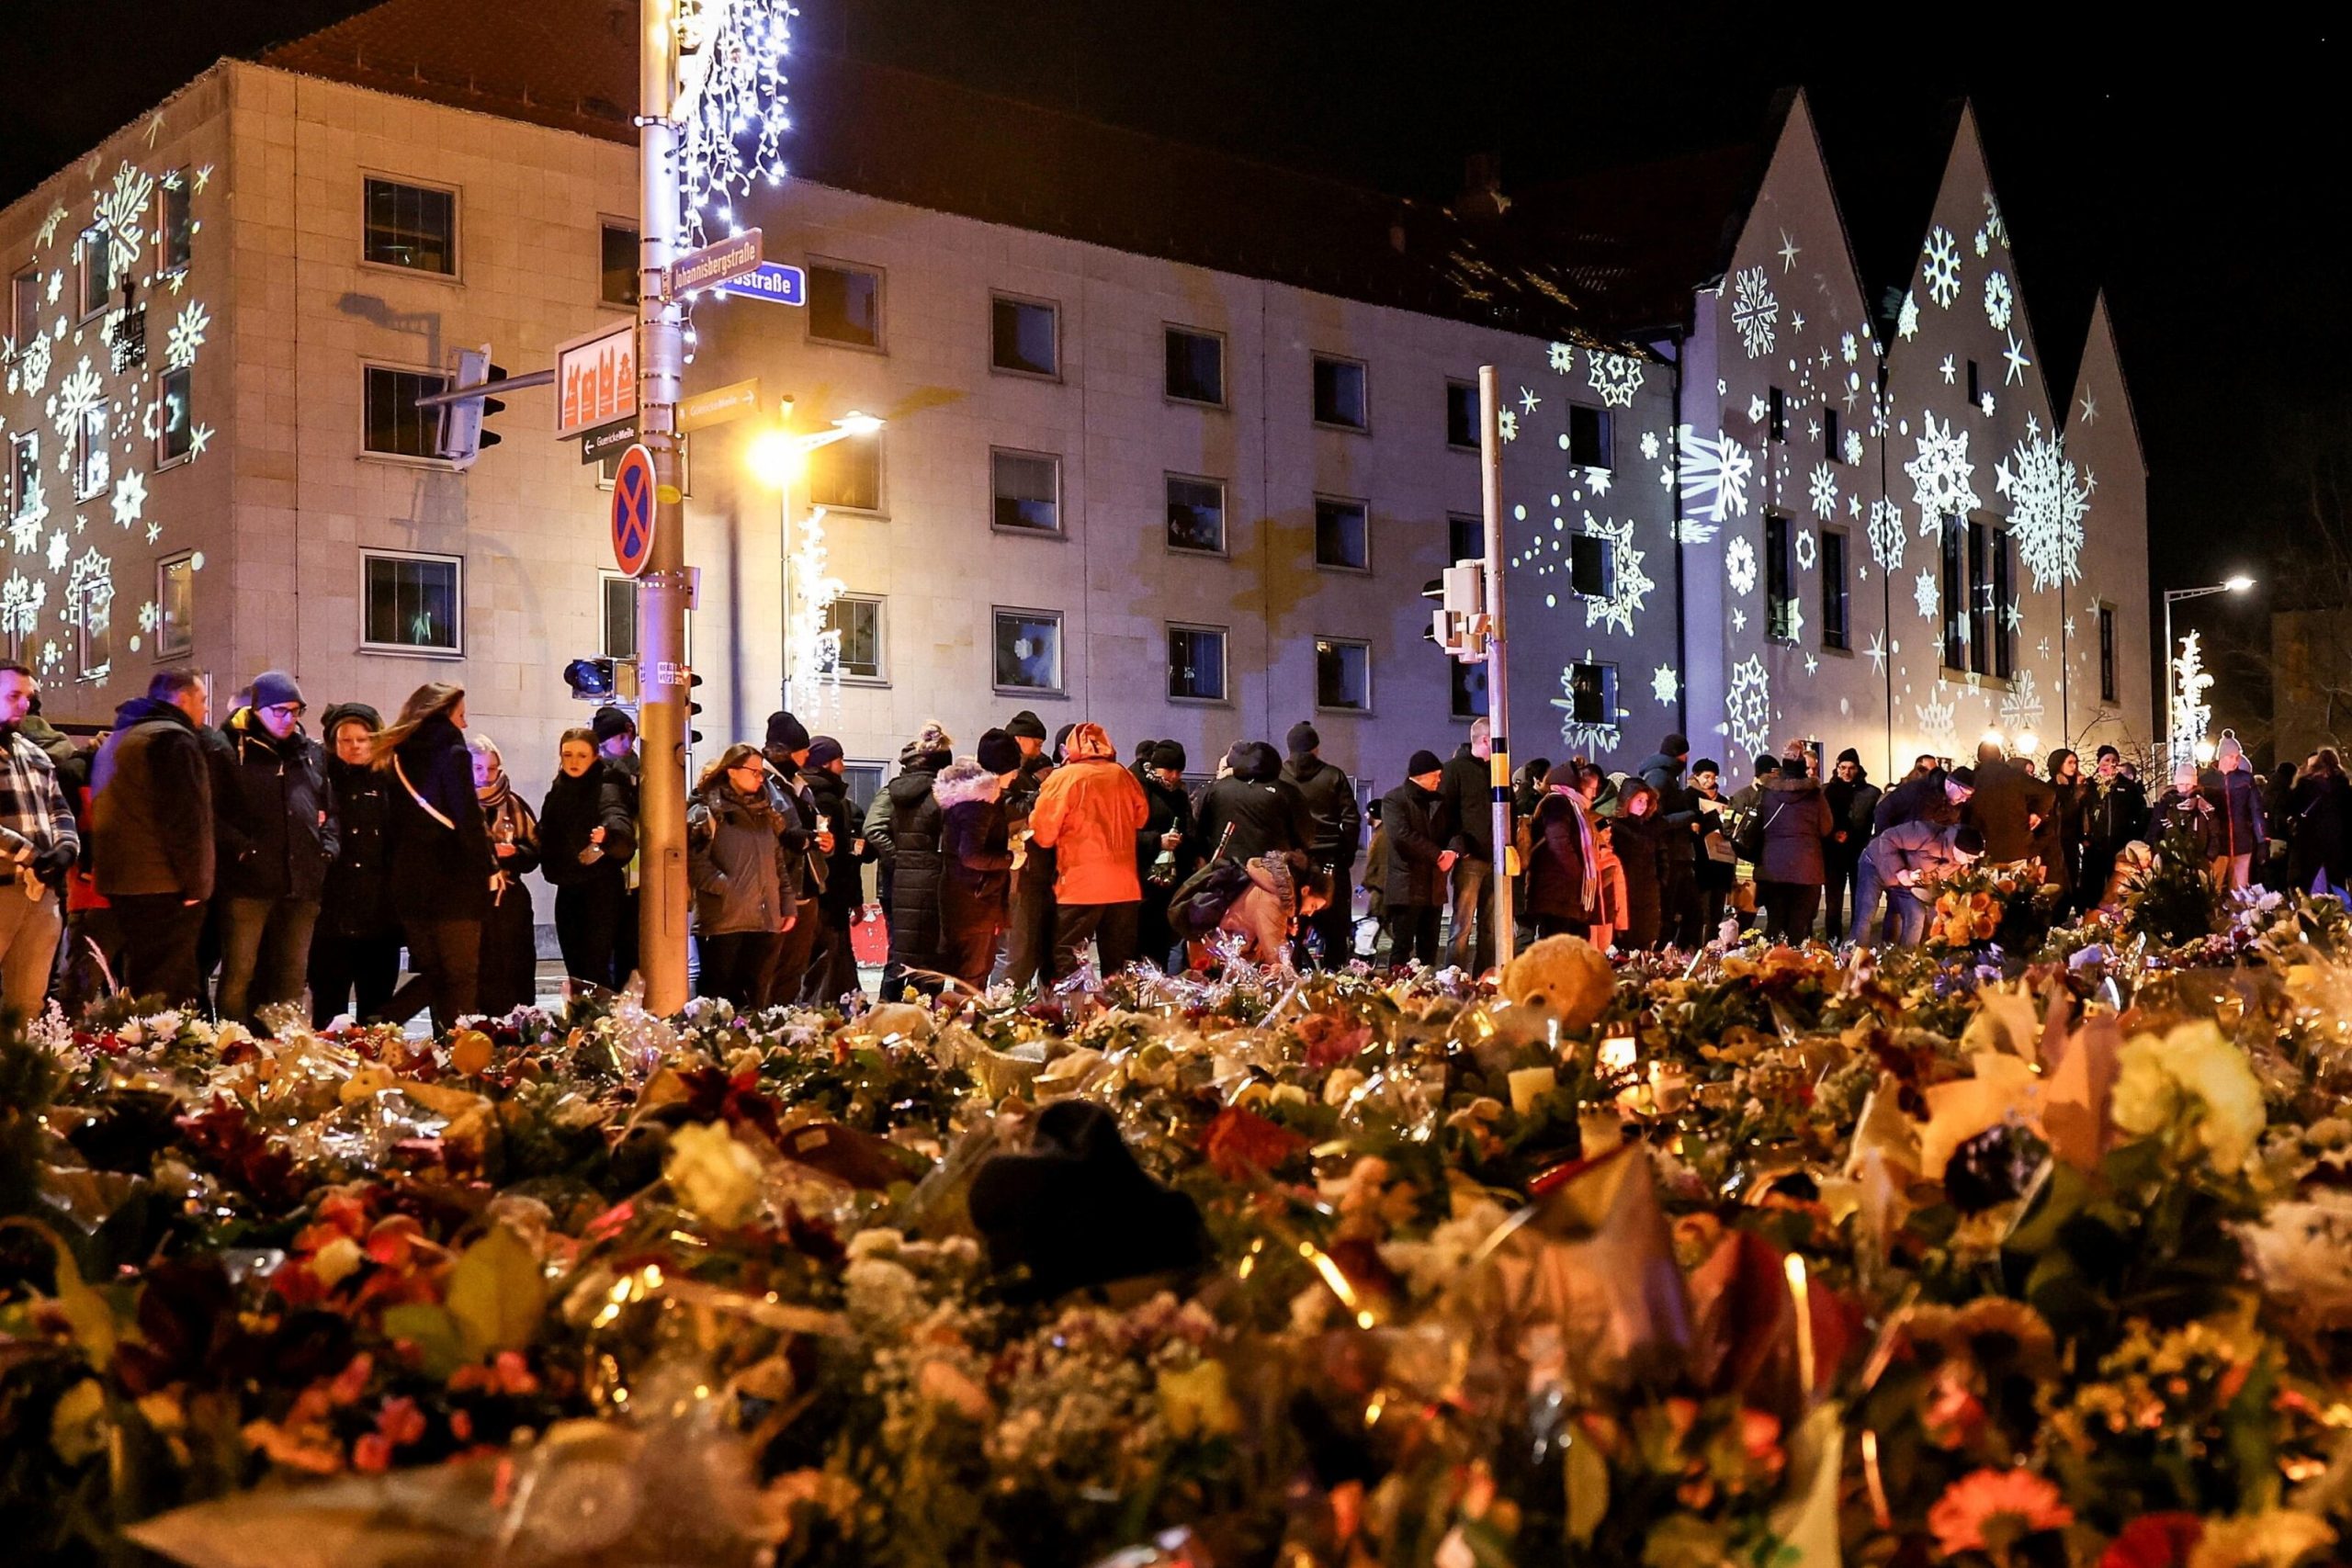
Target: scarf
{"x": 508, "y": 821}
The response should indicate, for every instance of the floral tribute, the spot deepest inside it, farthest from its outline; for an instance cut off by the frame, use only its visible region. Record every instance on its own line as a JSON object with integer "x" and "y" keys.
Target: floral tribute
{"x": 1765, "y": 1257}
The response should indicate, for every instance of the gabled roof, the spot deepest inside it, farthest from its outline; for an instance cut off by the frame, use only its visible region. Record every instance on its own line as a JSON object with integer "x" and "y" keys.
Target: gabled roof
{"x": 1886, "y": 185}
{"x": 897, "y": 136}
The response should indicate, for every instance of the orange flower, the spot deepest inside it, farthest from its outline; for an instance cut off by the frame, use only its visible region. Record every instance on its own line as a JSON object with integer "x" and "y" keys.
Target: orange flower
{"x": 1991, "y": 1510}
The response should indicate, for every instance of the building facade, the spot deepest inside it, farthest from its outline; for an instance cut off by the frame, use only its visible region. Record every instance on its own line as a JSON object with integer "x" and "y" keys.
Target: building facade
{"x": 1188, "y": 501}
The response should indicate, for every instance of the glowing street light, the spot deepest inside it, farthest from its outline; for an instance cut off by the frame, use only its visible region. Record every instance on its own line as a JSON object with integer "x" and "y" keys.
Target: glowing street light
{"x": 2238, "y": 583}
{"x": 779, "y": 458}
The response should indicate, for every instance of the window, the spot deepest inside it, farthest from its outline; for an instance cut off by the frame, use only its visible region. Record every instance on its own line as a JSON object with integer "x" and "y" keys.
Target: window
{"x": 1955, "y": 593}
{"x": 1342, "y": 535}
{"x": 96, "y": 254}
{"x": 24, "y": 470}
{"x": 854, "y": 628}
{"x": 844, "y": 306}
{"x": 617, "y": 637}
{"x": 1342, "y": 674}
{"x": 1780, "y": 611}
{"x": 1592, "y": 693}
{"x": 396, "y": 427}
{"x": 1588, "y": 566}
{"x": 412, "y": 227}
{"x": 1462, "y": 415}
{"x": 1465, "y": 538}
{"x": 24, "y": 307}
{"x": 1027, "y": 489}
{"x": 1836, "y": 620}
{"x": 1589, "y": 438}
{"x": 1777, "y": 416}
{"x": 1195, "y": 367}
{"x": 175, "y": 227}
{"x": 175, "y": 433}
{"x": 846, "y": 475}
{"x": 864, "y": 781}
{"x": 1195, "y": 664}
{"x": 93, "y": 614}
{"x": 411, "y": 604}
{"x": 617, "y": 281}
{"x": 1028, "y": 648}
{"x": 1466, "y": 688}
{"x": 1338, "y": 393}
{"x": 1978, "y": 565}
{"x": 1025, "y": 337}
{"x": 1975, "y": 395}
{"x": 1829, "y": 434}
{"x": 90, "y": 453}
{"x": 175, "y": 606}
{"x": 2107, "y": 654}
{"x": 1195, "y": 515}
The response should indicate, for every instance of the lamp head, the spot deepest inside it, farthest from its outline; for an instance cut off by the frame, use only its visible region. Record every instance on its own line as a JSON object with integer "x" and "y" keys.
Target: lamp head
{"x": 777, "y": 457}
{"x": 2239, "y": 583}
{"x": 856, "y": 423}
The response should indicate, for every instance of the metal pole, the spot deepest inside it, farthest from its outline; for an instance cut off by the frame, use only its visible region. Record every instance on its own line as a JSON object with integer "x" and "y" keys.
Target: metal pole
{"x": 1490, "y": 495}
{"x": 661, "y": 597}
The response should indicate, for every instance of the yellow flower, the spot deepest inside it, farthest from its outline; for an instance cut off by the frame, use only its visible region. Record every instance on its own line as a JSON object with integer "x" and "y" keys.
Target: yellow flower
{"x": 712, "y": 1174}
{"x": 2191, "y": 1077}
{"x": 2275, "y": 1538}
{"x": 1196, "y": 1401}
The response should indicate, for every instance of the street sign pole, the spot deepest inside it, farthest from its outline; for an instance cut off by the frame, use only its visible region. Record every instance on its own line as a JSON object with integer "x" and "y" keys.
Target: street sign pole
{"x": 1490, "y": 493}
{"x": 662, "y": 593}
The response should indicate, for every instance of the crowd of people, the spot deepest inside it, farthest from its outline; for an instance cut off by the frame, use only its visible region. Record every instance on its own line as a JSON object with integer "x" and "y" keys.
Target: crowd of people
{"x": 243, "y": 866}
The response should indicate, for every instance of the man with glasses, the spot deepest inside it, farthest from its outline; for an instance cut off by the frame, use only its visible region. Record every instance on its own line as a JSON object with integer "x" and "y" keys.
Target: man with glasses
{"x": 38, "y": 845}
{"x": 275, "y": 827}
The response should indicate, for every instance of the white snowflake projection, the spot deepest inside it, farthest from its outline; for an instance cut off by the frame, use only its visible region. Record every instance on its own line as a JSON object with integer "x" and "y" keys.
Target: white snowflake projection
{"x": 1507, "y": 424}
{"x": 1583, "y": 737}
{"x": 60, "y": 547}
{"x": 1739, "y": 567}
{"x": 1629, "y": 586}
{"x": 1755, "y": 409}
{"x": 1854, "y": 448}
{"x": 1616, "y": 377}
{"x": 2090, "y": 411}
{"x": 1951, "y": 370}
{"x": 1747, "y": 706}
{"x": 1875, "y": 651}
{"x": 1984, "y": 403}
{"x": 1665, "y": 685}
{"x": 1564, "y": 359}
{"x": 78, "y": 394}
{"x": 1738, "y": 619}
{"x": 1808, "y": 552}
{"x": 90, "y": 588}
{"x": 1714, "y": 474}
{"x": 1936, "y": 720}
{"x": 1996, "y": 226}
{"x": 130, "y": 497}
{"x": 1998, "y": 299}
{"x": 21, "y": 598}
{"x": 1812, "y": 665}
{"x": 2014, "y": 363}
{"x": 1822, "y": 487}
{"x": 1649, "y": 446}
{"x": 1692, "y": 531}
{"x": 1849, "y": 348}
{"x": 32, "y": 510}
{"x": 201, "y": 436}
{"x": 1598, "y": 480}
{"x": 1907, "y": 317}
{"x": 120, "y": 210}
{"x": 1984, "y": 245}
{"x": 1942, "y": 474}
{"x": 1789, "y": 252}
{"x": 1886, "y": 536}
{"x": 30, "y": 369}
{"x": 1754, "y": 312}
{"x": 1943, "y": 258}
{"x": 2047, "y": 506}
{"x": 2190, "y": 712}
{"x": 186, "y": 335}
{"x": 2021, "y": 704}
{"x": 1792, "y": 621}
{"x": 47, "y": 234}
{"x": 1924, "y": 596}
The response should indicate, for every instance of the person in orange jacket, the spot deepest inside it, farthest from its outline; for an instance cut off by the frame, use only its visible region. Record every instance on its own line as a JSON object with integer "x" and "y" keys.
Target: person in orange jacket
{"x": 1088, "y": 813}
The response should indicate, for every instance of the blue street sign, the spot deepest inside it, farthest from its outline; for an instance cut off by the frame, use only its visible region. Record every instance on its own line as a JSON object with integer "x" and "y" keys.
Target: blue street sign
{"x": 773, "y": 281}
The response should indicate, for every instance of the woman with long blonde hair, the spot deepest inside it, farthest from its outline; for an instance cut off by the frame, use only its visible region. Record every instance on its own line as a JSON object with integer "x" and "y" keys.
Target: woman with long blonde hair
{"x": 443, "y": 866}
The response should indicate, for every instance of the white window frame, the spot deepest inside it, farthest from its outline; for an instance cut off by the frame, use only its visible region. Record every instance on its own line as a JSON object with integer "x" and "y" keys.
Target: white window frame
{"x": 1052, "y": 308}
{"x": 881, "y": 677}
{"x": 371, "y": 455}
{"x": 163, "y": 652}
{"x": 1314, "y": 542}
{"x": 881, "y": 344}
{"x": 1224, "y": 635}
{"x": 82, "y": 670}
{"x": 18, "y": 441}
{"x": 83, "y": 310}
{"x": 407, "y": 650}
{"x": 1224, "y": 367}
{"x": 1370, "y": 694}
{"x": 1061, "y": 651}
{"x": 1059, "y": 530}
{"x": 456, "y": 273}
{"x": 162, "y": 424}
{"x": 22, "y": 330}
{"x": 163, "y": 195}
{"x": 1363, "y": 386}
{"x": 93, "y": 453}
{"x": 1223, "y": 516}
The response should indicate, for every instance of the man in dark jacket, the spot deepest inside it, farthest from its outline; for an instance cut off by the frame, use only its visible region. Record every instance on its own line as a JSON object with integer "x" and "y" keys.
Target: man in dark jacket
{"x": 151, "y": 824}
{"x": 806, "y": 851}
{"x": 1253, "y": 810}
{"x": 616, "y": 734}
{"x": 1029, "y": 938}
{"x": 2007, "y": 805}
{"x": 1334, "y": 833}
{"x": 2240, "y": 834}
{"x": 1853, "y": 804}
{"x": 832, "y": 969}
{"x": 275, "y": 829}
{"x": 1417, "y": 861}
{"x": 2115, "y": 813}
{"x": 1465, "y": 796}
{"x": 355, "y": 946}
{"x": 1167, "y": 848}
{"x": 1908, "y": 793}
{"x": 1678, "y": 812}
{"x": 910, "y": 837}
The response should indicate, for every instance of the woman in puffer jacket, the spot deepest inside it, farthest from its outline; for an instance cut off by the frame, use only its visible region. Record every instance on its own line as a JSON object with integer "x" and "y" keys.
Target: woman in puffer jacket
{"x": 976, "y": 867}
{"x": 736, "y": 863}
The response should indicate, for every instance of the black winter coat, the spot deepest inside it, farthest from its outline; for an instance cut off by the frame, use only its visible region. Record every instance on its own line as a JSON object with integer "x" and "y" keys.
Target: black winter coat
{"x": 2115, "y": 815}
{"x": 844, "y": 884}
{"x": 2191, "y": 815}
{"x": 1467, "y": 794}
{"x": 440, "y": 848}
{"x": 356, "y": 900}
{"x": 1335, "y": 821}
{"x": 2320, "y": 840}
{"x": 915, "y": 825}
{"x": 573, "y": 808}
{"x": 1559, "y": 879}
{"x": 510, "y": 949}
{"x": 2006, "y": 795}
{"x": 1170, "y": 809}
{"x": 1851, "y": 808}
{"x": 1641, "y": 845}
{"x": 976, "y": 867}
{"x": 1796, "y": 819}
{"x": 1916, "y": 800}
{"x": 1409, "y": 814}
{"x": 1266, "y": 812}
{"x": 151, "y": 806}
{"x": 275, "y": 822}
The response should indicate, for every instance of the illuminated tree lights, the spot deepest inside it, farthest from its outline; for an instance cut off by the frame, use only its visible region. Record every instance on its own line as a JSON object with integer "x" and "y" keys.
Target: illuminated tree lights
{"x": 731, "y": 107}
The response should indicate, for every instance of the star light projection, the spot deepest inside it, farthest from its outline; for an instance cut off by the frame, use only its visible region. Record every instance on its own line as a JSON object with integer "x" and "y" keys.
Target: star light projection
{"x": 103, "y": 416}
{"x": 1754, "y": 311}
{"x": 1747, "y": 706}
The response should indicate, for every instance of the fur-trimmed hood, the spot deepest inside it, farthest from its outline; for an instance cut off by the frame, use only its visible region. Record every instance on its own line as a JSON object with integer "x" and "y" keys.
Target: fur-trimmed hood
{"x": 966, "y": 781}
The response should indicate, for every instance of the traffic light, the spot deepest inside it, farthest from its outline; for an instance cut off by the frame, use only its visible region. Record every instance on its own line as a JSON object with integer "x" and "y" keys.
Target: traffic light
{"x": 591, "y": 680}
{"x": 1459, "y": 623}
{"x": 462, "y": 433}
{"x": 694, "y": 736}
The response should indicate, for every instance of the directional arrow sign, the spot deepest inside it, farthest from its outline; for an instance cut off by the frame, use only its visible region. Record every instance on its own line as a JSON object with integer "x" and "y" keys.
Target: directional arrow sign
{"x": 716, "y": 263}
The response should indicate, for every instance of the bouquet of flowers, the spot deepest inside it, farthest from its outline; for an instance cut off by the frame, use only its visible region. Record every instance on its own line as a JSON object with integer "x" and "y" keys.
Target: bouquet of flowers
{"x": 1980, "y": 904}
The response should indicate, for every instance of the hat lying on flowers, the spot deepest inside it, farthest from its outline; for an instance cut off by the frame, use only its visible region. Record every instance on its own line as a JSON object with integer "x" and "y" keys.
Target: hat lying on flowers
{"x": 1078, "y": 1209}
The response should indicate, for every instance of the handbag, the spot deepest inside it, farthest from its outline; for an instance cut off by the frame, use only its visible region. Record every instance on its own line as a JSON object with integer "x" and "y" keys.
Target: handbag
{"x": 1750, "y": 844}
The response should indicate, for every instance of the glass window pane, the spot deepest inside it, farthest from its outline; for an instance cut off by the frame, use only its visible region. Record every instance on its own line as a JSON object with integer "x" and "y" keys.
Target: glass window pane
{"x": 1592, "y": 693}
{"x": 1028, "y": 491}
{"x": 1342, "y": 536}
{"x": 176, "y": 439}
{"x": 854, "y": 625}
{"x": 846, "y": 306}
{"x": 1338, "y": 393}
{"x": 1023, "y": 337}
{"x": 1196, "y": 664}
{"x": 1466, "y": 685}
{"x": 1465, "y": 538}
{"x": 618, "y": 265}
{"x": 620, "y": 617}
{"x": 175, "y": 607}
{"x": 410, "y": 227}
{"x": 1195, "y": 367}
{"x": 396, "y": 426}
{"x": 26, "y": 306}
{"x": 98, "y": 271}
{"x": 1342, "y": 674}
{"x": 1028, "y": 651}
{"x": 846, "y": 475}
{"x": 1589, "y": 443}
{"x": 410, "y": 603}
{"x": 1461, "y": 415}
{"x": 1195, "y": 515}
{"x": 1588, "y": 566}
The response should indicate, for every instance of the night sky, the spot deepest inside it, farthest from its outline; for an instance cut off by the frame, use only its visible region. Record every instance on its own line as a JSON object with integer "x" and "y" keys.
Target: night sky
{"x": 2198, "y": 179}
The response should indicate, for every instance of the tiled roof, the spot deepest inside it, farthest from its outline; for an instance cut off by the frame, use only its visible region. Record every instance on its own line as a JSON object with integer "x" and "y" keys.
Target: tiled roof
{"x": 570, "y": 64}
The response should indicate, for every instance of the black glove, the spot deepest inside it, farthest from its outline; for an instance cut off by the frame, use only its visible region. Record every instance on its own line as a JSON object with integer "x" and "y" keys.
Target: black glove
{"x": 54, "y": 861}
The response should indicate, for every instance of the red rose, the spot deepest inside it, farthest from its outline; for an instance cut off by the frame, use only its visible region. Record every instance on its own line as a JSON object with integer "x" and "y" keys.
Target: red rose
{"x": 1241, "y": 1143}
{"x": 2154, "y": 1540}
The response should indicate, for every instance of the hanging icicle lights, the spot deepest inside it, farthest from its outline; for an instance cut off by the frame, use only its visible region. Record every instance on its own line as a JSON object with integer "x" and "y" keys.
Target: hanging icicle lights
{"x": 731, "y": 107}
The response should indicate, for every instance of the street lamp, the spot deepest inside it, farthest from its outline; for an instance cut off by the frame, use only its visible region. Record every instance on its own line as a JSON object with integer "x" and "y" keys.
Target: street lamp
{"x": 779, "y": 458}
{"x": 2237, "y": 584}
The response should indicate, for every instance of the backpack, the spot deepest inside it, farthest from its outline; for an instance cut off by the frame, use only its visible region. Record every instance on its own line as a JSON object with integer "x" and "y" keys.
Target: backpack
{"x": 1201, "y": 901}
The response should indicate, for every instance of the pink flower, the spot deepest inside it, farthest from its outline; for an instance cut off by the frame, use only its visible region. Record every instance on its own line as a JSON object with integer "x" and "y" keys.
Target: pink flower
{"x": 1991, "y": 1509}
